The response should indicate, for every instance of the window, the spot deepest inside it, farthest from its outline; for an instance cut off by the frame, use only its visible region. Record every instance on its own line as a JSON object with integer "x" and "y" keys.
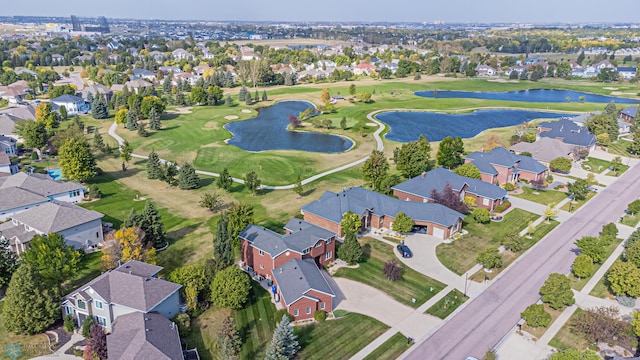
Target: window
{"x": 485, "y": 201}
{"x": 97, "y": 235}
{"x": 261, "y": 266}
{"x": 98, "y": 304}
{"x": 318, "y": 244}
{"x": 308, "y": 310}
{"x": 329, "y": 241}
{"x": 261, "y": 252}
{"x": 327, "y": 255}
{"x": 321, "y": 306}
{"x": 74, "y": 193}
{"x": 295, "y": 312}
{"x": 100, "y": 320}
{"x": 82, "y": 305}
{"x": 305, "y": 251}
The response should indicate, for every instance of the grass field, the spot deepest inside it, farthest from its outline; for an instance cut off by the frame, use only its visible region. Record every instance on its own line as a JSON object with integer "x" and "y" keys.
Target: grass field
{"x": 544, "y": 197}
{"x": 575, "y": 205}
{"x": 204, "y": 332}
{"x": 565, "y": 339}
{"x": 460, "y": 255}
{"x": 448, "y": 304}
{"x": 338, "y": 339}
{"x": 595, "y": 165}
{"x": 256, "y": 323}
{"x": 89, "y": 269}
{"x": 390, "y": 349}
{"x": 31, "y": 346}
{"x": 577, "y": 283}
{"x": 601, "y": 289}
{"x": 630, "y": 220}
{"x": 413, "y": 284}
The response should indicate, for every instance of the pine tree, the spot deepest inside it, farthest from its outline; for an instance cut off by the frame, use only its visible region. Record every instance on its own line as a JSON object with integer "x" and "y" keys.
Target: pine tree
{"x": 98, "y": 142}
{"x": 264, "y": 95}
{"x": 166, "y": 85}
{"x": 154, "y": 171}
{"x": 154, "y": 119}
{"x": 142, "y": 129}
{"x": 224, "y": 181}
{"x": 256, "y": 97}
{"x": 229, "y": 101}
{"x": 229, "y": 342}
{"x": 242, "y": 94}
{"x": 284, "y": 344}
{"x": 187, "y": 177}
{"x": 169, "y": 172}
{"x": 151, "y": 224}
{"x": 132, "y": 121}
{"x": 350, "y": 250}
{"x": 222, "y": 246}
{"x": 133, "y": 220}
{"x": 99, "y": 109}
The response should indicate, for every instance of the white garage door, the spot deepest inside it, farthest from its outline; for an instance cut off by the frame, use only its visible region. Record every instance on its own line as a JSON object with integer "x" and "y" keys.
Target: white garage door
{"x": 439, "y": 233}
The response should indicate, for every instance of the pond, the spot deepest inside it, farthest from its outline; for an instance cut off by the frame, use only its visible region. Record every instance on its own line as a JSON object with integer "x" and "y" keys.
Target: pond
{"x": 268, "y": 131}
{"x": 407, "y": 126}
{"x": 533, "y": 95}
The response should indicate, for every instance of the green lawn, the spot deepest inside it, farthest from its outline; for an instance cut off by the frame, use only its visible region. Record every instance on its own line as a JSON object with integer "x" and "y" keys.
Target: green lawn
{"x": 89, "y": 269}
{"x": 595, "y": 165}
{"x": 621, "y": 171}
{"x": 390, "y": 349}
{"x": 413, "y": 284}
{"x": 620, "y": 148}
{"x": 338, "y": 339}
{"x": 256, "y": 323}
{"x": 630, "y": 220}
{"x": 31, "y": 346}
{"x": 576, "y": 204}
{"x": 544, "y": 197}
{"x": 448, "y": 304}
{"x": 565, "y": 339}
{"x": 578, "y": 284}
{"x": 460, "y": 255}
{"x": 601, "y": 289}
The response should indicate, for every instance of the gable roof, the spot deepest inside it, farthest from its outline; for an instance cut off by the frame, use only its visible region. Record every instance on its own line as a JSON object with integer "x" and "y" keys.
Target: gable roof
{"x": 56, "y": 217}
{"x": 11, "y": 198}
{"x": 630, "y": 111}
{"x": 39, "y": 184}
{"x": 502, "y": 157}
{"x": 303, "y": 236}
{"x": 332, "y": 206}
{"x": 437, "y": 179}
{"x": 66, "y": 98}
{"x": 568, "y": 131}
{"x": 21, "y": 112}
{"x": 544, "y": 149}
{"x": 297, "y": 277}
{"x": 144, "y": 337}
{"x": 139, "y": 268}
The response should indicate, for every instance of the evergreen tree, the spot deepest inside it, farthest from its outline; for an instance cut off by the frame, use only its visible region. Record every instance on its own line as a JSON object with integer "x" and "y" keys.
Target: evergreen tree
{"x": 133, "y": 220}
{"x": 284, "y": 344}
{"x": 99, "y": 108}
{"x": 151, "y": 224}
{"x": 256, "y": 97}
{"x": 228, "y": 101}
{"x": 132, "y": 121}
{"x": 343, "y": 123}
{"x": 154, "y": 170}
{"x": 142, "y": 129}
{"x": 252, "y": 182}
{"x": 166, "y": 85}
{"x": 222, "y": 246}
{"x": 90, "y": 98}
{"x": 63, "y": 113}
{"x": 229, "y": 342}
{"x": 242, "y": 94}
{"x": 98, "y": 142}
{"x": 350, "y": 250}
{"x": 224, "y": 181}
{"x": 154, "y": 119}
{"x": 187, "y": 177}
{"x": 169, "y": 172}
{"x": 264, "y": 95}
{"x": 8, "y": 262}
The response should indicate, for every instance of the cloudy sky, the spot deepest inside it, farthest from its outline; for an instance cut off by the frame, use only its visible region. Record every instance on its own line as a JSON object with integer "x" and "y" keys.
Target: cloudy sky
{"x": 540, "y": 11}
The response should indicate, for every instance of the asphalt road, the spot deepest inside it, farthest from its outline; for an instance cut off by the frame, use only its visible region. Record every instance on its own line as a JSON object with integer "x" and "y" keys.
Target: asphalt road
{"x": 487, "y": 318}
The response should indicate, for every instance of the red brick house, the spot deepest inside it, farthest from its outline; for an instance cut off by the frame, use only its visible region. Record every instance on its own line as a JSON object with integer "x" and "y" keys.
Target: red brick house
{"x": 285, "y": 259}
{"x": 500, "y": 166}
{"x": 379, "y": 211}
{"x": 419, "y": 188}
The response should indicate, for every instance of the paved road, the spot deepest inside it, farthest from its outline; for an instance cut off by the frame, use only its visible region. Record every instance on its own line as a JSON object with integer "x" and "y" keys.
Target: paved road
{"x": 487, "y": 318}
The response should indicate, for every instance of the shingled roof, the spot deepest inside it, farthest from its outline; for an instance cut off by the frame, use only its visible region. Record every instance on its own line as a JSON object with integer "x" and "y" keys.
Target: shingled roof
{"x": 39, "y": 184}
{"x": 144, "y": 337}
{"x": 12, "y": 198}
{"x": 303, "y": 236}
{"x": 567, "y": 131}
{"x": 297, "y": 277}
{"x": 56, "y": 216}
{"x": 500, "y": 156}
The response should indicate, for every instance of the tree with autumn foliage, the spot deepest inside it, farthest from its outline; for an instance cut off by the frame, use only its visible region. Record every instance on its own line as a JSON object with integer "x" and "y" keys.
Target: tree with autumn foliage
{"x": 449, "y": 198}
{"x": 128, "y": 244}
{"x": 325, "y": 97}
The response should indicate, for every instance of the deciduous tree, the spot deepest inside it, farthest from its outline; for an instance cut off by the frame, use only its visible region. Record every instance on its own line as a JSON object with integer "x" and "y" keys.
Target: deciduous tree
{"x": 450, "y": 152}
{"x": 414, "y": 157}
{"x": 579, "y": 189}
{"x": 582, "y": 266}
{"x": 52, "y": 258}
{"x": 480, "y": 215}
{"x": 469, "y": 170}
{"x": 252, "y": 182}
{"x": 556, "y": 291}
{"x": 230, "y": 288}
{"x": 624, "y": 279}
{"x": 224, "y": 181}
{"x": 448, "y": 198}
{"x": 125, "y": 153}
{"x": 489, "y": 258}
{"x": 229, "y": 341}
{"x": 535, "y": 315}
{"x": 240, "y": 215}
{"x": 34, "y": 133}
{"x": 595, "y": 247}
{"x": 392, "y": 270}
{"x": 211, "y": 201}
{"x": 402, "y": 223}
{"x": 193, "y": 280}
{"x": 76, "y": 160}
{"x": 325, "y": 97}
{"x": 8, "y": 262}
{"x": 601, "y": 324}
{"x": 561, "y": 164}
{"x": 98, "y": 342}
{"x": 128, "y": 244}
{"x": 351, "y": 222}
{"x": 375, "y": 169}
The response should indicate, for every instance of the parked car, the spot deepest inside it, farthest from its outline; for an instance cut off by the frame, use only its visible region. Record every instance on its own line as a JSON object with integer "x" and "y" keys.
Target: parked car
{"x": 404, "y": 250}
{"x": 419, "y": 229}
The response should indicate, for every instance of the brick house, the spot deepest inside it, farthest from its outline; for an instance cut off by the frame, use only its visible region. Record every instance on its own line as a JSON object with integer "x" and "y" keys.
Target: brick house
{"x": 419, "y": 188}
{"x": 500, "y": 166}
{"x": 628, "y": 114}
{"x": 568, "y": 132}
{"x": 378, "y": 211}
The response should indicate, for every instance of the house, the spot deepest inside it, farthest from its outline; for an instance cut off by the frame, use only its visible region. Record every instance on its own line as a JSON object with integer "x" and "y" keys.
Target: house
{"x": 9, "y": 117}
{"x": 73, "y": 104}
{"x": 544, "y": 150}
{"x": 138, "y": 335}
{"x": 500, "y": 166}
{"x": 96, "y": 89}
{"x": 8, "y": 145}
{"x": 379, "y": 211}
{"x": 180, "y": 54}
{"x": 157, "y": 56}
{"x": 628, "y": 114}
{"x": 627, "y": 73}
{"x": 133, "y": 287}
{"x": 419, "y": 188}
{"x": 166, "y": 70}
{"x": 143, "y": 74}
{"x": 73, "y": 79}
{"x": 16, "y": 200}
{"x": 81, "y": 228}
{"x": 6, "y": 166}
{"x": 363, "y": 69}
{"x": 568, "y": 132}
{"x": 485, "y": 70}
{"x": 137, "y": 84}
{"x": 57, "y": 58}
{"x": 15, "y": 92}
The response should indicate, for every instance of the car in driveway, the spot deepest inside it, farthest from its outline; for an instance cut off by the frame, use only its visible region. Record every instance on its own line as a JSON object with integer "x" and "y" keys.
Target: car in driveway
{"x": 404, "y": 251}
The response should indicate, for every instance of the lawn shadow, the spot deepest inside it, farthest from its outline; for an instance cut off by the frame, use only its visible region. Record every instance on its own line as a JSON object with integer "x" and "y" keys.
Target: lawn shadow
{"x": 309, "y": 192}
{"x": 169, "y": 127}
{"x": 182, "y": 232}
{"x": 206, "y": 181}
{"x": 119, "y": 174}
{"x": 304, "y": 335}
{"x": 167, "y": 116}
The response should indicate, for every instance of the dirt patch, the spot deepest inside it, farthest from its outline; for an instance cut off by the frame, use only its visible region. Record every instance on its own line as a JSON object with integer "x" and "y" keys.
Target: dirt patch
{"x": 230, "y": 117}
{"x": 246, "y": 111}
{"x": 211, "y": 125}
{"x": 502, "y": 81}
{"x": 180, "y": 110}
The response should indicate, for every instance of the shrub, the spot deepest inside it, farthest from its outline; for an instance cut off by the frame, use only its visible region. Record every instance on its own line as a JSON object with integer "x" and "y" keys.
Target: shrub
{"x": 86, "y": 327}
{"x": 34, "y": 155}
{"x": 282, "y": 312}
{"x": 627, "y": 301}
{"x": 94, "y": 192}
{"x": 320, "y": 316}
{"x": 69, "y": 323}
{"x": 502, "y": 207}
{"x": 560, "y": 164}
{"x": 392, "y": 270}
{"x": 509, "y": 186}
{"x": 183, "y": 321}
{"x": 480, "y": 215}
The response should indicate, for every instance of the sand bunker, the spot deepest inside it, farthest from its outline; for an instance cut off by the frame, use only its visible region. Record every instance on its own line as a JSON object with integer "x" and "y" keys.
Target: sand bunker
{"x": 230, "y": 117}
{"x": 246, "y": 111}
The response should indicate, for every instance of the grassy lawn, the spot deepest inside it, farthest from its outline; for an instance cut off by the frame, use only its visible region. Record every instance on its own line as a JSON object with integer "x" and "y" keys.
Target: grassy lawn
{"x": 630, "y": 220}
{"x": 565, "y": 339}
{"x": 204, "y": 332}
{"x": 390, "y": 349}
{"x": 620, "y": 148}
{"x": 578, "y": 284}
{"x": 448, "y": 304}
{"x": 544, "y": 197}
{"x": 577, "y": 203}
{"x": 539, "y": 331}
{"x": 595, "y": 165}
{"x": 338, "y": 339}
{"x": 621, "y": 171}
{"x": 31, "y": 346}
{"x": 460, "y": 255}
{"x": 256, "y": 323}
{"x": 89, "y": 269}
{"x": 413, "y": 284}
{"x": 601, "y": 289}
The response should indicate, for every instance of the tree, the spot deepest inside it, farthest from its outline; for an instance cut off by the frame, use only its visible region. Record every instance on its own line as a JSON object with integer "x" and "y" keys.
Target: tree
{"x": 601, "y": 324}
{"x": 154, "y": 119}
{"x": 635, "y": 322}
{"x": 480, "y": 215}
{"x": 98, "y": 142}
{"x": 579, "y": 189}
{"x": 511, "y": 239}
{"x": 121, "y": 116}
{"x": 603, "y": 124}
{"x": 132, "y": 120}
{"x": 582, "y": 266}
{"x": 30, "y": 305}
{"x": 350, "y": 250}
{"x": 595, "y": 247}
{"x": 222, "y": 250}
{"x": 193, "y": 280}
{"x": 46, "y": 115}
{"x": 556, "y": 291}
{"x": 149, "y": 102}
{"x": 224, "y": 181}
{"x": 154, "y": 169}
{"x": 624, "y": 279}
{"x": 561, "y": 164}
{"x": 489, "y": 258}
{"x": 128, "y": 244}
{"x": 535, "y": 315}
{"x": 325, "y": 97}
{"x": 448, "y": 198}
{"x": 252, "y": 182}
{"x": 8, "y": 262}
{"x": 450, "y": 152}
{"x": 364, "y": 96}
{"x": 572, "y": 354}
{"x": 402, "y": 223}
{"x": 142, "y": 129}
{"x": 616, "y": 164}
{"x": 343, "y": 123}
{"x": 87, "y": 323}
{"x": 198, "y": 95}
{"x": 414, "y": 157}
{"x": 99, "y": 108}
{"x": 187, "y": 177}
{"x": 151, "y": 224}
{"x": 133, "y": 219}
{"x": 264, "y": 95}
{"x": 52, "y": 258}
{"x": 298, "y": 189}
{"x": 63, "y": 113}
{"x": 98, "y": 342}
{"x": 34, "y": 133}
{"x": 550, "y": 212}
{"x": 230, "y": 288}
{"x": 76, "y": 160}
{"x": 609, "y": 231}
{"x": 392, "y": 270}
{"x": 228, "y": 101}
{"x": 229, "y": 341}
{"x": 240, "y": 215}
{"x": 351, "y": 223}
{"x": 375, "y": 169}
{"x": 125, "y": 153}
{"x": 284, "y": 344}
{"x": 242, "y": 94}
{"x": 469, "y": 170}
{"x": 634, "y": 207}
{"x": 211, "y": 201}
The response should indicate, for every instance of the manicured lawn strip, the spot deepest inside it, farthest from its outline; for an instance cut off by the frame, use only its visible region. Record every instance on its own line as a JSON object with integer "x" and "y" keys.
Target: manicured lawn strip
{"x": 577, "y": 203}
{"x": 390, "y": 349}
{"x": 601, "y": 289}
{"x": 31, "y": 346}
{"x": 338, "y": 339}
{"x": 255, "y": 323}
{"x": 578, "y": 284}
{"x": 620, "y": 148}
{"x": 460, "y": 255}
{"x": 630, "y": 220}
{"x": 539, "y": 331}
{"x": 565, "y": 339}
{"x": 204, "y": 332}
{"x": 89, "y": 269}
{"x": 413, "y": 284}
{"x": 595, "y": 165}
{"x": 541, "y": 196}
{"x": 448, "y": 304}
{"x": 621, "y": 171}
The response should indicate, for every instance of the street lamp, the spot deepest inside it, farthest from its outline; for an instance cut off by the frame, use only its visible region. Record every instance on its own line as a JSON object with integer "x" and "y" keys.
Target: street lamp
{"x": 466, "y": 278}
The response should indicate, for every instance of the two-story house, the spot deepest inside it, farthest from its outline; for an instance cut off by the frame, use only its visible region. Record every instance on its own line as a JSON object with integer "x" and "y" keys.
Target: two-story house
{"x": 420, "y": 188}
{"x": 500, "y": 166}
{"x": 568, "y": 132}
{"x": 6, "y": 166}
{"x": 8, "y": 145}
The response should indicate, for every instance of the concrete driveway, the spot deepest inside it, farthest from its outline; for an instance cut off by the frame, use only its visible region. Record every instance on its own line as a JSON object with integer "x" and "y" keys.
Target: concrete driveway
{"x": 425, "y": 261}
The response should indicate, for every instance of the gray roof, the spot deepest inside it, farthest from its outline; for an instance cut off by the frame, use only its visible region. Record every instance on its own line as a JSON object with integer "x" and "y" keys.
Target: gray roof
{"x": 96, "y": 89}
{"x": 303, "y": 236}
{"x": 332, "y": 206}
{"x": 630, "y": 111}
{"x": 21, "y": 112}
{"x": 139, "y": 268}
{"x": 568, "y": 131}
{"x": 544, "y": 149}
{"x": 56, "y": 217}
{"x": 66, "y": 98}
{"x": 13, "y": 233}
{"x": 437, "y": 179}
{"x": 297, "y": 277}
{"x": 11, "y": 198}
{"x": 500, "y": 156}
{"x": 39, "y": 183}
{"x": 144, "y": 337}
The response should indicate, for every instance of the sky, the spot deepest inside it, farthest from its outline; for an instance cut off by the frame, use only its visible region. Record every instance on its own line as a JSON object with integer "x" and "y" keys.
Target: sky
{"x": 463, "y": 11}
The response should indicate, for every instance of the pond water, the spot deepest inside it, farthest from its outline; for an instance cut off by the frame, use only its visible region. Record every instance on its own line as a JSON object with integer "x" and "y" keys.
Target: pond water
{"x": 533, "y": 95}
{"x": 268, "y": 131}
{"x": 407, "y": 126}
